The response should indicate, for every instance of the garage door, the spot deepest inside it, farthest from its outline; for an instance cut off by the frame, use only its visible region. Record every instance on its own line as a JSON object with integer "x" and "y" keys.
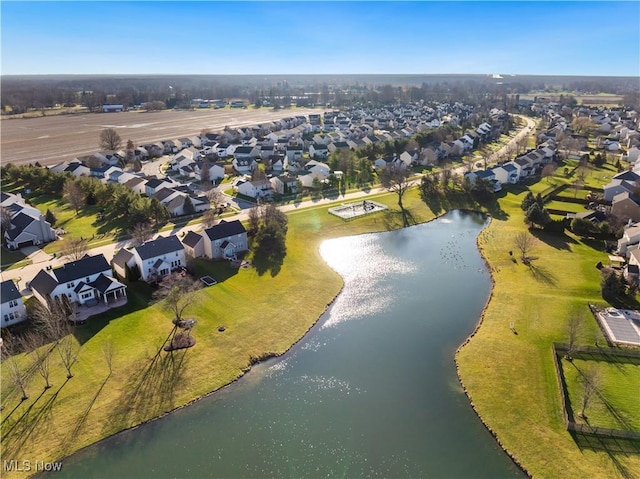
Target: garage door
{"x": 25, "y": 243}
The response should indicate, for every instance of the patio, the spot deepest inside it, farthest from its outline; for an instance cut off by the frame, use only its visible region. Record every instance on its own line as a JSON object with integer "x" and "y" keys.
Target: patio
{"x": 84, "y": 312}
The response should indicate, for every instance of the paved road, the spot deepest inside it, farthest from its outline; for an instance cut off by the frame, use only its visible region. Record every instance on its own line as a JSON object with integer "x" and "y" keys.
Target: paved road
{"x": 53, "y": 139}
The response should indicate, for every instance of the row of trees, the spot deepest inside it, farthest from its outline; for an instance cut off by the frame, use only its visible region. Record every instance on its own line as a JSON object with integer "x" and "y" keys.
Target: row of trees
{"x": 117, "y": 201}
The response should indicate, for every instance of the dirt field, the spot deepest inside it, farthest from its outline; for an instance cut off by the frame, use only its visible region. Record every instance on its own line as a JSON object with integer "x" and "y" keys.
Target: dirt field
{"x": 52, "y": 139}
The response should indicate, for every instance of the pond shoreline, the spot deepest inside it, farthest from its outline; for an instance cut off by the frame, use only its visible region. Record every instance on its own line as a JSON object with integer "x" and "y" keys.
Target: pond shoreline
{"x": 254, "y": 360}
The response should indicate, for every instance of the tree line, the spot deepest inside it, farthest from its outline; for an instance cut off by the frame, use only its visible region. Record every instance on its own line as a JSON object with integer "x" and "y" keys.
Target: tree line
{"x": 117, "y": 202}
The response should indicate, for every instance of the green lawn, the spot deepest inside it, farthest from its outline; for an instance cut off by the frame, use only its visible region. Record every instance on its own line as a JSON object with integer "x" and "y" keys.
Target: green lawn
{"x": 510, "y": 377}
{"x": 615, "y": 405}
{"x": 565, "y": 206}
{"x": 11, "y": 259}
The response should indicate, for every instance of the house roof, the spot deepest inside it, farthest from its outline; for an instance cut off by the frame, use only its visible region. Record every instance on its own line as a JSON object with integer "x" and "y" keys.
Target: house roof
{"x": 19, "y": 223}
{"x": 133, "y": 182}
{"x": 224, "y": 229}
{"x": 43, "y": 283}
{"x": 627, "y": 175}
{"x": 191, "y": 239}
{"x": 159, "y": 246}
{"x": 122, "y": 257}
{"x": 510, "y": 168}
{"x": 8, "y": 291}
{"x": 154, "y": 182}
{"x": 164, "y": 193}
{"x": 81, "y": 269}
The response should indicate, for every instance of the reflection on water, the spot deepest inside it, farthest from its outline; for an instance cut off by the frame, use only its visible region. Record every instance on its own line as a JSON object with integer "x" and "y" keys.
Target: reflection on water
{"x": 376, "y": 397}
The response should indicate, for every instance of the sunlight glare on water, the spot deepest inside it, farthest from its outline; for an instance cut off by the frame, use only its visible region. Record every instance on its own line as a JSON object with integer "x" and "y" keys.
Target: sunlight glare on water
{"x": 361, "y": 260}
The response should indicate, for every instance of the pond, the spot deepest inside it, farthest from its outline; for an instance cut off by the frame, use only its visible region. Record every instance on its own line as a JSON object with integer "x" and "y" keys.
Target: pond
{"x": 370, "y": 391}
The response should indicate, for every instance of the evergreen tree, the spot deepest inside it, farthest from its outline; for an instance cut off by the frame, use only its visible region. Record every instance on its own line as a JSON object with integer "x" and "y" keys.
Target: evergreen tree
{"x": 527, "y": 201}
{"x": 50, "y": 218}
{"x": 537, "y": 215}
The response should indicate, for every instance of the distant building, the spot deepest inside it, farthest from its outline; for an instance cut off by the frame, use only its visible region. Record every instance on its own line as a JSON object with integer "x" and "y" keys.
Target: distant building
{"x": 112, "y": 108}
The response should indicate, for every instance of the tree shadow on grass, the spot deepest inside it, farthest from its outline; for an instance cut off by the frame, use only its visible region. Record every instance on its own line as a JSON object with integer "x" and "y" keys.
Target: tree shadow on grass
{"x": 395, "y": 219}
{"x": 612, "y": 446}
{"x": 150, "y": 390}
{"x": 556, "y": 240}
{"x": 17, "y": 435}
{"x": 542, "y": 274}
{"x": 74, "y": 434}
{"x": 268, "y": 261}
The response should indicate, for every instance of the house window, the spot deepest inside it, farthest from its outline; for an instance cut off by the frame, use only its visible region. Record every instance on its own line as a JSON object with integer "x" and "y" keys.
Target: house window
{"x": 87, "y": 295}
{"x": 6, "y": 317}
{"x": 70, "y": 285}
{"x": 13, "y": 303}
{"x": 88, "y": 280}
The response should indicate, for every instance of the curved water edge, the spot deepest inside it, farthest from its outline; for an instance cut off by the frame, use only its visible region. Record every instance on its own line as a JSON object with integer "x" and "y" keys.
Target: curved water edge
{"x": 513, "y": 457}
{"x": 389, "y": 334}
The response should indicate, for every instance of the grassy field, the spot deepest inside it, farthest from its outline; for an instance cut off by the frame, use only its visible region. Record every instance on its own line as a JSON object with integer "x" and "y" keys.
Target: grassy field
{"x": 615, "y": 405}
{"x": 510, "y": 377}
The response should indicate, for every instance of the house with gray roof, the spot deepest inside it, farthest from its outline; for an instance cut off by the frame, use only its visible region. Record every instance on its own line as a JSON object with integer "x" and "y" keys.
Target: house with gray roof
{"x": 225, "y": 240}
{"x": 86, "y": 281}
{"x": 12, "y": 309}
{"x": 27, "y": 227}
{"x": 159, "y": 257}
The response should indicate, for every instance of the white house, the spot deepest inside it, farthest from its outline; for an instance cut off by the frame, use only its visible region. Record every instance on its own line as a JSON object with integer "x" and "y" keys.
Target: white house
{"x": 630, "y": 237}
{"x": 506, "y": 174}
{"x": 159, "y": 257}
{"x": 12, "y": 307}
{"x": 244, "y": 165}
{"x": 255, "y": 188}
{"x": 28, "y": 226}
{"x": 284, "y": 184}
{"x": 225, "y": 240}
{"x": 85, "y": 282}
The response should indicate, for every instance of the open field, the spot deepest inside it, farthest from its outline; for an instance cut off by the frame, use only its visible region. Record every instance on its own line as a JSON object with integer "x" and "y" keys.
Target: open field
{"x": 52, "y": 139}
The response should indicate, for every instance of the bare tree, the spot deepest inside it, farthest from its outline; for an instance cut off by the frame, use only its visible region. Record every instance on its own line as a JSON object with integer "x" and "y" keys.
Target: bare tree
{"x": 445, "y": 177}
{"x": 110, "y": 140}
{"x": 50, "y": 320}
{"x": 74, "y": 195}
{"x": 582, "y": 125}
{"x": 5, "y": 220}
{"x": 525, "y": 242}
{"x": 17, "y": 377}
{"x": 574, "y": 325}
{"x": 42, "y": 353}
{"x": 68, "y": 351}
{"x": 130, "y": 150}
{"x": 92, "y": 162}
{"x": 486, "y": 155}
{"x": 396, "y": 178}
{"x": 177, "y": 293}
{"x": 521, "y": 144}
{"x": 108, "y": 351}
{"x": 141, "y": 233}
{"x": 590, "y": 384}
{"x": 254, "y": 218}
{"x": 429, "y": 156}
{"x": 209, "y": 217}
{"x": 548, "y": 171}
{"x": 74, "y": 248}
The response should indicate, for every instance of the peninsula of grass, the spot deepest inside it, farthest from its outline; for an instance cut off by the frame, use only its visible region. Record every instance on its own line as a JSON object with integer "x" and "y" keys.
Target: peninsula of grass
{"x": 510, "y": 377}
{"x": 509, "y": 374}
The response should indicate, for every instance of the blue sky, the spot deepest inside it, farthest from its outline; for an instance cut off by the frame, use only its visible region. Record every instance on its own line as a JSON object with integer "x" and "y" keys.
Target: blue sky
{"x": 572, "y": 38}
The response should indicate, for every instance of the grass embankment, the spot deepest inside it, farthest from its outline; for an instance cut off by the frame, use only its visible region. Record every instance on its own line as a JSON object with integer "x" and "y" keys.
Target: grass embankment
{"x": 510, "y": 376}
{"x": 263, "y": 315}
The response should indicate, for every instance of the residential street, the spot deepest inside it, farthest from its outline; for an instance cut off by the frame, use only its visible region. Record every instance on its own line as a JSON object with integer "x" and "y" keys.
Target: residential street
{"x": 42, "y": 260}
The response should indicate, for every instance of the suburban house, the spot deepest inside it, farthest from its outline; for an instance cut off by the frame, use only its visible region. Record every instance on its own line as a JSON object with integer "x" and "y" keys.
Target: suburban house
{"x": 630, "y": 237}
{"x": 626, "y": 207}
{"x": 486, "y": 175}
{"x": 244, "y": 165}
{"x": 627, "y": 181}
{"x": 193, "y": 244}
{"x": 120, "y": 262}
{"x": 153, "y": 185}
{"x": 284, "y": 184}
{"x": 254, "y": 188}
{"x": 506, "y": 174}
{"x": 27, "y": 227}
{"x": 159, "y": 257}
{"x": 86, "y": 281}
{"x": 225, "y": 240}
{"x": 12, "y": 308}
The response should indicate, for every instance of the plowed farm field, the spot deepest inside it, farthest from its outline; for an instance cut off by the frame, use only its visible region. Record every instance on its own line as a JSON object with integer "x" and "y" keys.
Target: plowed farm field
{"x": 52, "y": 139}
